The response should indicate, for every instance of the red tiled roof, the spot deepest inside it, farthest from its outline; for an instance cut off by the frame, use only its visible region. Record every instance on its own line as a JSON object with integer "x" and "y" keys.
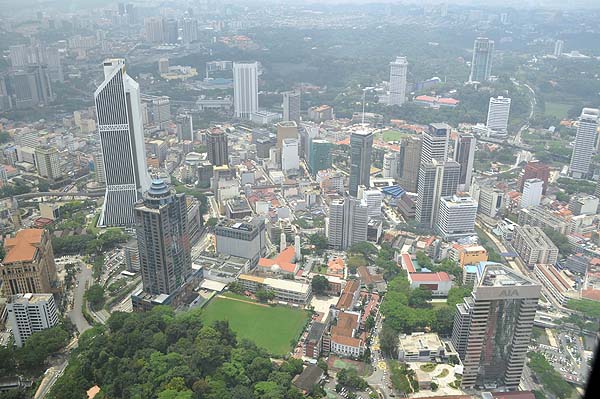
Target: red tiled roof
{"x": 591, "y": 294}
{"x": 408, "y": 263}
{"x": 23, "y": 247}
{"x": 283, "y": 260}
{"x": 438, "y": 276}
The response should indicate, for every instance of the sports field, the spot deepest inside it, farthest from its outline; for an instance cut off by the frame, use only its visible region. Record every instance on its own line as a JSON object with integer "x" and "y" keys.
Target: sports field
{"x": 270, "y": 327}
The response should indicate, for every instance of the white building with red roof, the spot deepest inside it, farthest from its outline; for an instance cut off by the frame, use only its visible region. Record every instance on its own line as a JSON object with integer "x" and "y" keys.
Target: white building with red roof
{"x": 438, "y": 283}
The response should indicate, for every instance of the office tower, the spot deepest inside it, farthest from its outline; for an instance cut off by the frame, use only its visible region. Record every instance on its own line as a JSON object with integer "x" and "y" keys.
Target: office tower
{"x": 216, "y": 144}
{"x": 290, "y": 160}
{"x": 189, "y": 30}
{"x": 48, "y": 162}
{"x": 464, "y": 154}
{"x": 245, "y": 89}
{"x": 28, "y": 266}
{"x": 373, "y": 199}
{"x": 435, "y": 143}
{"x": 497, "y": 118}
{"x": 291, "y": 106}
{"x": 492, "y": 327}
{"x": 409, "y": 160}
{"x": 21, "y": 55}
{"x": 122, "y": 141}
{"x": 585, "y": 143}
{"x": 163, "y": 65}
{"x": 558, "y": 48}
{"x": 30, "y": 313}
{"x": 436, "y": 179}
{"x": 286, "y": 130}
{"x": 244, "y": 238}
{"x": 534, "y": 246}
{"x": 348, "y": 221}
{"x": 532, "y": 193}
{"x": 481, "y": 64}
{"x": 163, "y": 239}
{"x": 307, "y": 132}
{"x": 319, "y": 157}
{"x": 390, "y": 165}
{"x": 99, "y": 168}
{"x": 398, "y": 71}
{"x": 170, "y": 31}
{"x": 54, "y": 62}
{"x": 535, "y": 170}
{"x": 153, "y": 29}
{"x": 185, "y": 128}
{"x": 30, "y": 87}
{"x": 361, "y": 145}
{"x": 456, "y": 216}
{"x": 489, "y": 199}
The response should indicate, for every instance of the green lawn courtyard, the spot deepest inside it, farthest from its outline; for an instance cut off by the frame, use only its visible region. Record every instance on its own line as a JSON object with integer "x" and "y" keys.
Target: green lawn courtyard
{"x": 270, "y": 327}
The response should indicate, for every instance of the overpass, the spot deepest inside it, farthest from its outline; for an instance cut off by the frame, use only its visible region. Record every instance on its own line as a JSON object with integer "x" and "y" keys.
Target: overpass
{"x": 90, "y": 194}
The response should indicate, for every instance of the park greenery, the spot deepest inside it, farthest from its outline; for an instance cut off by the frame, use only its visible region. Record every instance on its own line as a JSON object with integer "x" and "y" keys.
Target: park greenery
{"x": 95, "y": 296}
{"x": 560, "y": 240}
{"x": 548, "y": 376}
{"x": 403, "y": 377}
{"x": 590, "y": 309}
{"x": 319, "y": 284}
{"x": 161, "y": 354}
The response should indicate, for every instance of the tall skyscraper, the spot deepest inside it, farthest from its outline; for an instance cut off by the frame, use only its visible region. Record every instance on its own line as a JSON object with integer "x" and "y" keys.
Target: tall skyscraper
{"x": 481, "y": 64}
{"x": 153, "y": 29}
{"x": 558, "y": 48}
{"x": 492, "y": 328}
{"x": 170, "y": 31}
{"x": 216, "y": 144}
{"x": 409, "y": 160}
{"x": 585, "y": 143}
{"x": 535, "y": 170}
{"x": 189, "y": 30}
{"x": 30, "y": 313}
{"x": 163, "y": 239}
{"x": 290, "y": 160}
{"x": 28, "y": 87}
{"x": 398, "y": 70}
{"x": 319, "y": 157}
{"x": 361, "y": 145}
{"x": 348, "y": 221}
{"x": 291, "y": 106}
{"x": 464, "y": 154}
{"x": 245, "y": 89}
{"x": 185, "y": 127}
{"x": 435, "y": 143}
{"x": 121, "y": 132}
{"x": 457, "y": 215}
{"x": 436, "y": 179}
{"x": 497, "y": 118}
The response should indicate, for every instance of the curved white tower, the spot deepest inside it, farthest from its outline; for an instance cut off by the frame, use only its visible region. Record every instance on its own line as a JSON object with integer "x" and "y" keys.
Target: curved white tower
{"x": 122, "y": 143}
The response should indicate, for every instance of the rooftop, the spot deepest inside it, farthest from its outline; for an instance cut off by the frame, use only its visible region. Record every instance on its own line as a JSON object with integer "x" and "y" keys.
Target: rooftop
{"x": 284, "y": 261}
{"x": 30, "y": 298}
{"x": 22, "y": 247}
{"x": 497, "y": 275}
{"x": 418, "y": 341}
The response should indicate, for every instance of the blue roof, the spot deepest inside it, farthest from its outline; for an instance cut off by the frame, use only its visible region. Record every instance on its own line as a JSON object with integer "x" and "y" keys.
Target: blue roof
{"x": 158, "y": 188}
{"x": 395, "y": 191}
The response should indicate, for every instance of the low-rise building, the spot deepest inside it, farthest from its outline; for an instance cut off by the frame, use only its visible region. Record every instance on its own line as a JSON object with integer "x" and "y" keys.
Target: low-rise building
{"x": 313, "y": 345}
{"x": 534, "y": 246}
{"x": 284, "y": 290}
{"x": 242, "y": 238}
{"x": 344, "y": 340}
{"x": 438, "y": 283}
{"x": 555, "y": 283}
{"x": 222, "y": 268}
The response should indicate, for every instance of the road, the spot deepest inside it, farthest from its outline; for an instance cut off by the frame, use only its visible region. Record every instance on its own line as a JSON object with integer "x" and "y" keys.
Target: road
{"x": 380, "y": 379}
{"x": 532, "y": 102}
{"x": 84, "y": 279}
{"x": 52, "y": 374}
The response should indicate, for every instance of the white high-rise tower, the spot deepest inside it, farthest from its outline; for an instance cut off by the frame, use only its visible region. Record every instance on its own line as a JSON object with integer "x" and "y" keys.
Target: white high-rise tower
{"x": 398, "y": 70}
{"x": 585, "y": 143}
{"x": 497, "y": 119}
{"x": 245, "y": 89}
{"x": 122, "y": 144}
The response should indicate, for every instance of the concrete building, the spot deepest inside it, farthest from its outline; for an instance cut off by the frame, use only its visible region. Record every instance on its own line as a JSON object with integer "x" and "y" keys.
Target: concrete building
{"x": 319, "y": 155}
{"x": 217, "y": 147}
{"x": 47, "y": 162}
{"x": 584, "y": 205}
{"x": 373, "y": 199}
{"x": 100, "y": 173}
{"x": 544, "y": 218}
{"x": 185, "y": 128}
{"x": 290, "y": 160}
{"x": 343, "y": 335}
{"x": 286, "y": 130}
{"x": 559, "y": 287}
{"x": 291, "y": 106}
{"x": 122, "y": 142}
{"x": 438, "y": 283}
{"x": 27, "y": 87}
{"x": 361, "y": 146}
{"x": 435, "y": 143}
{"x": 457, "y": 214}
{"x": 284, "y": 289}
{"x": 30, "y": 313}
{"x": 532, "y": 193}
{"x": 28, "y": 265}
{"x": 153, "y": 29}
{"x": 535, "y": 170}
{"x": 163, "y": 65}
{"x": 436, "y": 180}
{"x": 163, "y": 239}
{"x": 409, "y": 159}
{"x": 245, "y": 89}
{"x": 313, "y": 344}
{"x": 464, "y": 154}
{"x": 534, "y": 246}
{"x": 558, "y": 48}
{"x": 348, "y": 221}
{"x": 420, "y": 347}
{"x": 320, "y": 113}
{"x": 481, "y": 63}
{"x": 242, "y": 238}
{"x": 398, "y": 72}
{"x": 497, "y": 118}
{"x": 492, "y": 328}
{"x": 490, "y": 199}
{"x": 585, "y": 143}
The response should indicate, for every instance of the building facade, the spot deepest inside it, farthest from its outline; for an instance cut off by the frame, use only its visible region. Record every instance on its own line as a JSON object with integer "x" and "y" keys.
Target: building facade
{"x": 398, "y": 72}
{"x": 409, "y": 159}
{"x": 48, "y": 162}
{"x": 457, "y": 216}
{"x": 481, "y": 63}
{"x": 348, "y": 222}
{"x": 534, "y": 246}
{"x": 464, "y": 154}
{"x": 532, "y": 193}
{"x": 585, "y": 143}
{"x": 319, "y": 157}
{"x": 122, "y": 144}
{"x": 30, "y": 313}
{"x": 535, "y": 170}
{"x": 242, "y": 238}
{"x": 436, "y": 180}
{"x": 497, "y": 118}
{"x": 217, "y": 147}
{"x": 291, "y": 106}
{"x": 245, "y": 89}
{"x": 361, "y": 146}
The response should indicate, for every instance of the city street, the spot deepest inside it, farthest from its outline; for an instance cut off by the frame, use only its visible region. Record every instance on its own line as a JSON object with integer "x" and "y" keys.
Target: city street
{"x": 84, "y": 278}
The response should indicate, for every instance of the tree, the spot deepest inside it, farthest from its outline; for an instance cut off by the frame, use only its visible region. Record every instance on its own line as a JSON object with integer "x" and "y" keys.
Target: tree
{"x": 265, "y": 295}
{"x": 212, "y": 222}
{"x": 365, "y": 248}
{"x": 560, "y": 240}
{"x": 319, "y": 241}
{"x": 95, "y": 296}
{"x": 320, "y": 284}
{"x": 419, "y": 298}
{"x": 369, "y": 323}
{"x": 388, "y": 341}
{"x": 423, "y": 260}
{"x": 322, "y": 364}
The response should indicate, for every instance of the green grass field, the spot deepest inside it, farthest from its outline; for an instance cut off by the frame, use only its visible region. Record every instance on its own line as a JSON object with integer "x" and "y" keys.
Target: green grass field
{"x": 270, "y": 327}
{"x": 558, "y": 110}
{"x": 393, "y": 135}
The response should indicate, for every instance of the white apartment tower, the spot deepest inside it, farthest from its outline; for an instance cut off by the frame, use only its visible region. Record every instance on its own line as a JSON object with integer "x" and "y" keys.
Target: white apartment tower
{"x": 532, "y": 193}
{"x": 435, "y": 143}
{"x": 585, "y": 143}
{"x": 245, "y": 89}
{"x": 290, "y": 159}
{"x": 481, "y": 63}
{"x": 398, "y": 70}
{"x": 492, "y": 328}
{"x": 30, "y": 313}
{"x": 456, "y": 217}
{"x": 291, "y": 106}
{"x": 122, "y": 144}
{"x": 348, "y": 221}
{"x": 373, "y": 199}
{"x": 558, "y": 48}
{"x": 497, "y": 119}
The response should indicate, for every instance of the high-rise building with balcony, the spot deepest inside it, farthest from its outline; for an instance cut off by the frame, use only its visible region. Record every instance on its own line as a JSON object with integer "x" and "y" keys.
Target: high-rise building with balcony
{"x": 481, "y": 63}
{"x": 245, "y": 89}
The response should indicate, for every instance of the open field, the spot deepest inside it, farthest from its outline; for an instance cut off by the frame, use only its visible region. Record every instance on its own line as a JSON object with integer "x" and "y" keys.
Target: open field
{"x": 270, "y": 327}
{"x": 393, "y": 135}
{"x": 558, "y": 110}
